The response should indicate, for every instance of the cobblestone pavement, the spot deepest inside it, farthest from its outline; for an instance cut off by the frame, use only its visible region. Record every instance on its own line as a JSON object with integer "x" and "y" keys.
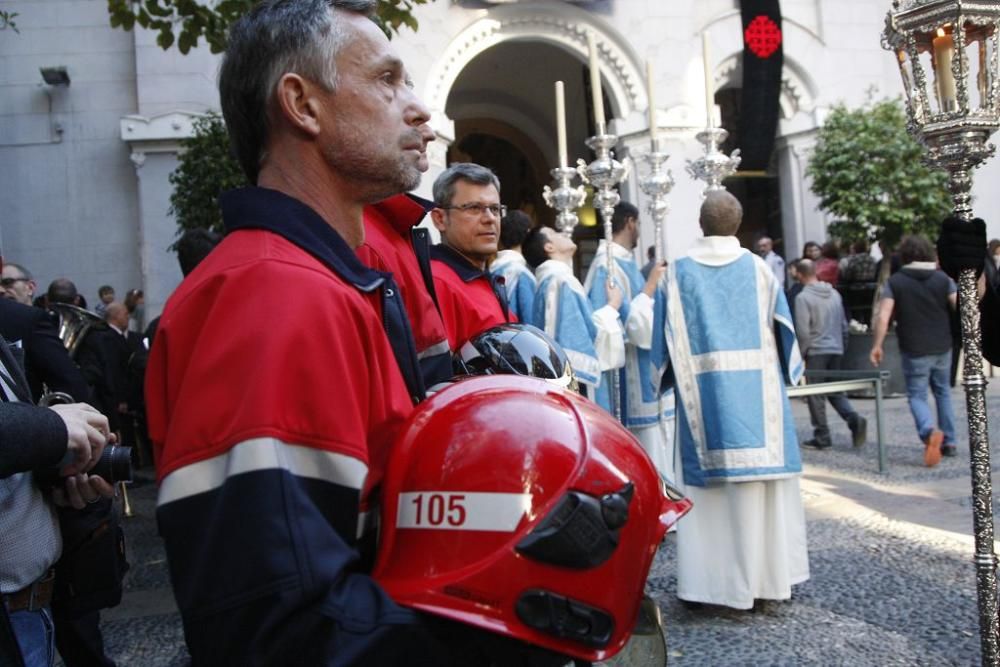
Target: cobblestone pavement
{"x": 891, "y": 559}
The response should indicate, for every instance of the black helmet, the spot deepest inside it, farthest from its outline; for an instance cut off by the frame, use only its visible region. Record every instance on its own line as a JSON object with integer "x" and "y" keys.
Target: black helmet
{"x": 515, "y": 349}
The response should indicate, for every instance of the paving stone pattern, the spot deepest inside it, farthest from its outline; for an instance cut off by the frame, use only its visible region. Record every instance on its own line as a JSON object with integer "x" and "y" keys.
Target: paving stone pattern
{"x": 883, "y": 591}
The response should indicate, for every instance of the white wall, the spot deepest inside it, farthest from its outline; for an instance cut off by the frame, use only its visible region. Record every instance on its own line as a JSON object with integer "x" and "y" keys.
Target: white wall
{"x": 70, "y": 202}
{"x": 67, "y": 199}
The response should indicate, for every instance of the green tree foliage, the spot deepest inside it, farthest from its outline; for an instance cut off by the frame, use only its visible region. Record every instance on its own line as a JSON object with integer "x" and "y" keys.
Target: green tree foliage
{"x": 867, "y": 172}
{"x": 206, "y": 169}
{"x": 184, "y": 22}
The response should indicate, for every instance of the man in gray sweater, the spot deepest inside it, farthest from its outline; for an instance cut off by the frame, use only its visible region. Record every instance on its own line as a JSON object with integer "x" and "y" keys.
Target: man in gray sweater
{"x": 821, "y": 327}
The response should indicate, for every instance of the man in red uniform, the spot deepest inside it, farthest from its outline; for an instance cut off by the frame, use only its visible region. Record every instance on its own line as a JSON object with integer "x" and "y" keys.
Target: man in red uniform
{"x": 395, "y": 244}
{"x": 467, "y": 197}
{"x": 274, "y": 387}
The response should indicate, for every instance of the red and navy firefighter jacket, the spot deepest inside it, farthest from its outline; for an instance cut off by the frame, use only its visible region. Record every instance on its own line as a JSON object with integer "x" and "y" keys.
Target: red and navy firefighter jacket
{"x": 394, "y": 243}
{"x": 273, "y": 398}
{"x": 471, "y": 300}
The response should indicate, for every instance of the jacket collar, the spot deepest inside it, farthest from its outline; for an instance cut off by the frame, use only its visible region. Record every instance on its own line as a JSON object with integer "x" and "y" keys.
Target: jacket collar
{"x": 262, "y": 208}
{"x": 403, "y": 211}
{"x": 458, "y": 263}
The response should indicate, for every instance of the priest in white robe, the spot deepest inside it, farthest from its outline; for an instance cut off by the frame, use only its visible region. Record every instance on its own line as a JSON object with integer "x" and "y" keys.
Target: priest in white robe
{"x": 732, "y": 348}
{"x": 646, "y": 409}
{"x": 593, "y": 340}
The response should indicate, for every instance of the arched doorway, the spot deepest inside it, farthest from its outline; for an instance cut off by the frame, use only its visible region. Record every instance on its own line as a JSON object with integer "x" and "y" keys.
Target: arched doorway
{"x": 503, "y": 108}
{"x": 493, "y": 84}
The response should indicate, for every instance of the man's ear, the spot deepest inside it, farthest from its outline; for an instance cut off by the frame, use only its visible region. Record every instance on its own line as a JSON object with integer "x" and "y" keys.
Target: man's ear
{"x": 297, "y": 102}
{"x": 549, "y": 248}
{"x": 437, "y": 217}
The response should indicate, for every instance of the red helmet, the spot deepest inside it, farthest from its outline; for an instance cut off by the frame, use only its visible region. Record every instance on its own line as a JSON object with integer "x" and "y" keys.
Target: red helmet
{"x": 522, "y": 508}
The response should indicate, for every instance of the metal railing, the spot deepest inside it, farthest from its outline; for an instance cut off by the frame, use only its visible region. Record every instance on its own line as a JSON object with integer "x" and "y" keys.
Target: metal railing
{"x": 845, "y": 381}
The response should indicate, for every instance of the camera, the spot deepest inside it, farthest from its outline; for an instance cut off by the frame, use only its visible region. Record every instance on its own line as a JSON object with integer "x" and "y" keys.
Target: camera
{"x": 115, "y": 465}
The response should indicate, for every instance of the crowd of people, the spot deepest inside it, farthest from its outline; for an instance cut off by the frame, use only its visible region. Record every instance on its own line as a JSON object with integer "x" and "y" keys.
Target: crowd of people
{"x": 273, "y": 418}
{"x": 916, "y": 300}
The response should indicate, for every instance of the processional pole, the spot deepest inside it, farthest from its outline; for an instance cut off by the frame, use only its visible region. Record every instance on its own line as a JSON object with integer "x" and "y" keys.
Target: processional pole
{"x": 604, "y": 173}
{"x": 955, "y": 134}
{"x": 658, "y": 182}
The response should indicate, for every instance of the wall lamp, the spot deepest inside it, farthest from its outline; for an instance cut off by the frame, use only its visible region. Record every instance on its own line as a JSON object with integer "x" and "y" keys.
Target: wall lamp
{"x": 55, "y": 76}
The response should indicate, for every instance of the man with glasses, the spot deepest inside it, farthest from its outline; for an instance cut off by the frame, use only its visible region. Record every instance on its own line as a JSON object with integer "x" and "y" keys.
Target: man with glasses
{"x": 468, "y": 213}
{"x": 17, "y": 284}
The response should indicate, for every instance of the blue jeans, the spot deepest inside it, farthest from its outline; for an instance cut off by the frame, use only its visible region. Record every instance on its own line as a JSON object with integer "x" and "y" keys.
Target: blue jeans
{"x": 933, "y": 369}
{"x": 35, "y": 635}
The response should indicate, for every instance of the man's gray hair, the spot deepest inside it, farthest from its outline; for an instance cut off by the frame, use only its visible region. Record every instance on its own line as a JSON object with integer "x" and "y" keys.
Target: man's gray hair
{"x": 721, "y": 214}
{"x": 276, "y": 37}
{"x": 444, "y": 185}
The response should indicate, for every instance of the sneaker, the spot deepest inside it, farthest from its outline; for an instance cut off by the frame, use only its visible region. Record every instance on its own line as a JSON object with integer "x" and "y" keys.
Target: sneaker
{"x": 816, "y": 444}
{"x": 932, "y": 448}
{"x": 859, "y": 431}
{"x": 949, "y": 450}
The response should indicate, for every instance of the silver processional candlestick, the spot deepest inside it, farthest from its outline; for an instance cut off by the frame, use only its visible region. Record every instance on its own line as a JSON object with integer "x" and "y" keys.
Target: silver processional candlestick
{"x": 714, "y": 166}
{"x": 565, "y": 199}
{"x": 604, "y": 173}
{"x": 657, "y": 185}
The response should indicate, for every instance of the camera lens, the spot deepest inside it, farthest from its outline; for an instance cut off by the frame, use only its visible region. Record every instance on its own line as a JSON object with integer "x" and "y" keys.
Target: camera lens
{"x": 115, "y": 464}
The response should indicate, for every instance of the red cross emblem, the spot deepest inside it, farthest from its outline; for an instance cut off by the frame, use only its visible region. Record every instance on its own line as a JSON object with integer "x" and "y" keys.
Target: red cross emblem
{"x": 762, "y": 37}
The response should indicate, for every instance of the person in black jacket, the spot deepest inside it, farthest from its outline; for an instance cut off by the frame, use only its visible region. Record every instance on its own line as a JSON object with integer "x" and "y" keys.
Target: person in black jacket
{"x": 35, "y": 335}
{"x": 34, "y": 438}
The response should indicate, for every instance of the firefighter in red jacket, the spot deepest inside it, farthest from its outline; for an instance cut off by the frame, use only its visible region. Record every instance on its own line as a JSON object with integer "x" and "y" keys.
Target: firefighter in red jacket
{"x": 396, "y": 244}
{"x": 468, "y": 213}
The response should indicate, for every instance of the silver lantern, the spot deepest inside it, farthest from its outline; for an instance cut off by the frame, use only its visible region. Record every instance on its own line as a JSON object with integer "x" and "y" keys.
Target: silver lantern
{"x": 952, "y": 45}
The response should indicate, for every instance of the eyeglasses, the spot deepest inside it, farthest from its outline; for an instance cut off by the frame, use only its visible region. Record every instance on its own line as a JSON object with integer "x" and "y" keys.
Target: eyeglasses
{"x": 9, "y": 282}
{"x": 477, "y": 210}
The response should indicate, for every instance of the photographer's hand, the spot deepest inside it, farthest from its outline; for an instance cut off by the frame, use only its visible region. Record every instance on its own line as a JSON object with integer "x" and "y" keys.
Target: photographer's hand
{"x": 88, "y": 433}
{"x": 78, "y": 491}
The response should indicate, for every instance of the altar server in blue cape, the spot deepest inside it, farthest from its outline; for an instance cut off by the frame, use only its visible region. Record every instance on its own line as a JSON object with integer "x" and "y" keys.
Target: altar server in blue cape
{"x": 647, "y": 411}
{"x": 510, "y": 264}
{"x": 593, "y": 340}
{"x": 732, "y": 348}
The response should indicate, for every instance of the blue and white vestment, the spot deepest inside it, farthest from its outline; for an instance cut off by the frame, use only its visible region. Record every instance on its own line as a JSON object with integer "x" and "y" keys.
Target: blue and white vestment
{"x": 647, "y": 411}
{"x": 593, "y": 340}
{"x": 520, "y": 282}
{"x": 731, "y": 348}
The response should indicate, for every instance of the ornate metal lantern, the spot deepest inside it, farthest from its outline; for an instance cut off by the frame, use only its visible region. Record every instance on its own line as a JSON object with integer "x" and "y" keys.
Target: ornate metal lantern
{"x": 956, "y": 40}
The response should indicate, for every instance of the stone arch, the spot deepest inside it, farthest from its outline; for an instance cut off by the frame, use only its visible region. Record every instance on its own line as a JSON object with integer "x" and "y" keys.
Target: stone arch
{"x": 561, "y": 25}
{"x": 797, "y": 86}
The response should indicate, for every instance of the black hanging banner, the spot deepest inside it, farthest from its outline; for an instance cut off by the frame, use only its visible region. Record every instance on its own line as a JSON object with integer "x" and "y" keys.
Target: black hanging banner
{"x": 762, "y": 61}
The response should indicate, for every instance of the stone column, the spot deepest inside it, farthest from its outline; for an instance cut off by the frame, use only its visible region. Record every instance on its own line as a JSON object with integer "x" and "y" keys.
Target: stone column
{"x": 154, "y": 144}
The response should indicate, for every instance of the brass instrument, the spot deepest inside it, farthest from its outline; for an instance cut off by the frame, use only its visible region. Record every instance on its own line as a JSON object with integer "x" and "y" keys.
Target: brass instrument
{"x": 74, "y": 324}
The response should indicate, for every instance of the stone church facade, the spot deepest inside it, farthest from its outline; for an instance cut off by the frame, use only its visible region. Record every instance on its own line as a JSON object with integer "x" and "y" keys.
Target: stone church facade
{"x": 84, "y": 167}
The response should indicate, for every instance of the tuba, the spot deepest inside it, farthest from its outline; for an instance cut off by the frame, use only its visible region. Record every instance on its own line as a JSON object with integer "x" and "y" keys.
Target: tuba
{"x": 74, "y": 324}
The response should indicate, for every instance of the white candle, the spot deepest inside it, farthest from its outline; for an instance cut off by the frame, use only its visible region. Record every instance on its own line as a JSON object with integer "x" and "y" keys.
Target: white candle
{"x": 561, "y": 122}
{"x": 944, "y": 50}
{"x": 595, "y": 83}
{"x": 709, "y": 82}
{"x": 652, "y": 104}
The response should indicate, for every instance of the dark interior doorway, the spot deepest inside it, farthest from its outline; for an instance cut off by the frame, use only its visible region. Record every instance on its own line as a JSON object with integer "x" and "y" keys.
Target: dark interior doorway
{"x": 758, "y": 192}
